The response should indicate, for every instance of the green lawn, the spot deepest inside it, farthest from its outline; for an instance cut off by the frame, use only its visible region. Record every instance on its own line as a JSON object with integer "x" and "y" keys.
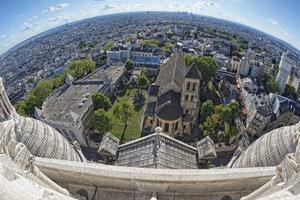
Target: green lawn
{"x": 133, "y": 129}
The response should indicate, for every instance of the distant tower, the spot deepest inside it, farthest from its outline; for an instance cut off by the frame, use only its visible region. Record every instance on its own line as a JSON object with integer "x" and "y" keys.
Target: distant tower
{"x": 244, "y": 67}
{"x": 285, "y": 67}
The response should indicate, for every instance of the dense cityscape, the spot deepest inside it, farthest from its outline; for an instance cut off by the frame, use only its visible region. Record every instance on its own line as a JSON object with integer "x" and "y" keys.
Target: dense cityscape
{"x": 106, "y": 97}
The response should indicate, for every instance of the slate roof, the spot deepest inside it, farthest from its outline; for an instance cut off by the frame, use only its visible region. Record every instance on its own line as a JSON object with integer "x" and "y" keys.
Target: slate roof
{"x": 173, "y": 71}
{"x": 153, "y": 90}
{"x": 157, "y": 151}
{"x": 168, "y": 106}
{"x": 193, "y": 72}
{"x": 150, "y": 109}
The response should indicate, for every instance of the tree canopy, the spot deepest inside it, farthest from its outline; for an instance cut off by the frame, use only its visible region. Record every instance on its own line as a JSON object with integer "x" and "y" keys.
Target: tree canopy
{"x": 123, "y": 110}
{"x": 143, "y": 81}
{"x": 272, "y": 86}
{"x": 290, "y": 91}
{"x": 150, "y": 43}
{"x": 207, "y": 109}
{"x": 168, "y": 47}
{"x": 79, "y": 68}
{"x": 101, "y": 101}
{"x": 206, "y": 65}
{"x": 38, "y": 95}
{"x": 101, "y": 121}
{"x": 222, "y": 116}
{"x": 129, "y": 65}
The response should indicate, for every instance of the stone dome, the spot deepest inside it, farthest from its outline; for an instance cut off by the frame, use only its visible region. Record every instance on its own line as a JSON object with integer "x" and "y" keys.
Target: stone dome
{"x": 270, "y": 149}
{"x": 39, "y": 138}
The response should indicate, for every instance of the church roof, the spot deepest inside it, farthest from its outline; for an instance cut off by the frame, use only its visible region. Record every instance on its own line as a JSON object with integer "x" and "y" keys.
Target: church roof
{"x": 268, "y": 150}
{"x": 193, "y": 72}
{"x": 168, "y": 106}
{"x": 153, "y": 90}
{"x": 173, "y": 71}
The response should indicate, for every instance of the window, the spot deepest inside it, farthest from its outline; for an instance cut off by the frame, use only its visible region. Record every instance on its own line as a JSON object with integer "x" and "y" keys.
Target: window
{"x": 83, "y": 193}
{"x": 194, "y": 86}
{"x": 166, "y": 129}
{"x": 176, "y": 126}
{"x": 186, "y": 97}
{"x": 188, "y": 86}
{"x": 192, "y": 98}
{"x": 151, "y": 121}
{"x": 186, "y": 111}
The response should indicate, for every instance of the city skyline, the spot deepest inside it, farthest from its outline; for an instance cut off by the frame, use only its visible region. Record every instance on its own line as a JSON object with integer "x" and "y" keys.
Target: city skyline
{"x": 26, "y": 19}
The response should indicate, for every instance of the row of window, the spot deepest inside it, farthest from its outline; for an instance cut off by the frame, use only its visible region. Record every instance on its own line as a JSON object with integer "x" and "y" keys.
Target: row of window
{"x": 191, "y": 86}
{"x": 187, "y": 98}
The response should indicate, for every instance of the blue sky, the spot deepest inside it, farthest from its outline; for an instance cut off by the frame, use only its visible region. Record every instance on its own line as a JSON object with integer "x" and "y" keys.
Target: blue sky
{"x": 21, "y": 19}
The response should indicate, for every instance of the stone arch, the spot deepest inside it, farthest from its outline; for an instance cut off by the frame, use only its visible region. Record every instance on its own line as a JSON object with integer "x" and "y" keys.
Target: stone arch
{"x": 83, "y": 194}
{"x": 166, "y": 127}
{"x": 226, "y": 197}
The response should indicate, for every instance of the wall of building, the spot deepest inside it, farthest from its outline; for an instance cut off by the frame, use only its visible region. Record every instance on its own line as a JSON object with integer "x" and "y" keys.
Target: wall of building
{"x": 190, "y": 99}
{"x": 122, "y": 183}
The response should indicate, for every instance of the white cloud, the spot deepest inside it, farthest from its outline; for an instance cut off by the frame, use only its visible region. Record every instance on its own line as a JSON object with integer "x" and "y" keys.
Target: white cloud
{"x": 2, "y": 35}
{"x": 281, "y": 30}
{"x": 273, "y": 22}
{"x": 108, "y": 7}
{"x": 32, "y": 18}
{"x": 55, "y": 8}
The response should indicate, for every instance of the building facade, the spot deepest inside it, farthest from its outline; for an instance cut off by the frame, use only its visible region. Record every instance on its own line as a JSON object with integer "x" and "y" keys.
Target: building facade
{"x": 285, "y": 67}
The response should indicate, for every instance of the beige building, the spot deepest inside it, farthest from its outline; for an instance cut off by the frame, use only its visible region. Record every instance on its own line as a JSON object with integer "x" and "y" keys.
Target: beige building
{"x": 174, "y": 99}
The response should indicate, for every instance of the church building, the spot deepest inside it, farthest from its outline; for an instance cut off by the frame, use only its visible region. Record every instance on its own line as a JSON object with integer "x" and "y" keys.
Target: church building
{"x": 174, "y": 99}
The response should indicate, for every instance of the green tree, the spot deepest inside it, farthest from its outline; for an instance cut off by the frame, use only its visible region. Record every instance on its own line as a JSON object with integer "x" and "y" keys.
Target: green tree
{"x": 232, "y": 132}
{"x": 210, "y": 125}
{"x": 123, "y": 110}
{"x": 290, "y": 91}
{"x": 79, "y": 68}
{"x": 150, "y": 43}
{"x": 272, "y": 86}
{"x": 226, "y": 115}
{"x": 101, "y": 121}
{"x": 109, "y": 46}
{"x": 38, "y": 95}
{"x": 142, "y": 81}
{"x": 100, "y": 101}
{"x": 218, "y": 109}
{"x": 129, "y": 65}
{"x": 21, "y": 107}
{"x": 168, "y": 47}
{"x": 207, "y": 109}
{"x": 265, "y": 78}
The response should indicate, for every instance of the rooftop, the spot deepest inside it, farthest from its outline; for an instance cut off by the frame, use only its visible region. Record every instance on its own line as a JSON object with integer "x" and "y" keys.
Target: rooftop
{"x": 69, "y": 104}
{"x": 157, "y": 151}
